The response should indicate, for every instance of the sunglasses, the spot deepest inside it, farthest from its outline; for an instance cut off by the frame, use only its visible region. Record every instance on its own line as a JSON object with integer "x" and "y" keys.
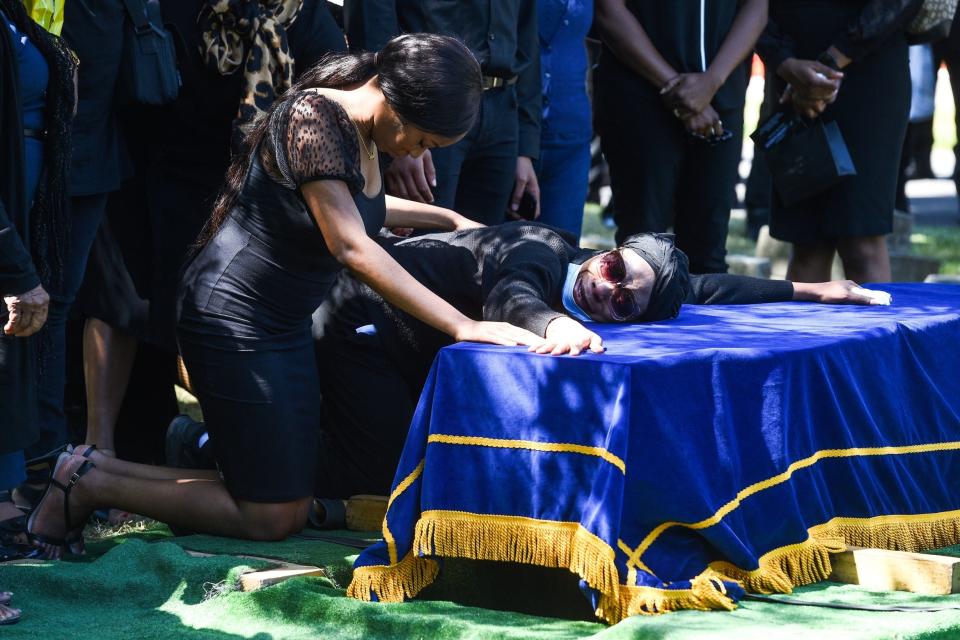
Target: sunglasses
{"x": 613, "y": 269}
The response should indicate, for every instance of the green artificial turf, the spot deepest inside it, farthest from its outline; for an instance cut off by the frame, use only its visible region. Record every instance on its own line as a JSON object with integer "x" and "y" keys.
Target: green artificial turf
{"x": 142, "y": 584}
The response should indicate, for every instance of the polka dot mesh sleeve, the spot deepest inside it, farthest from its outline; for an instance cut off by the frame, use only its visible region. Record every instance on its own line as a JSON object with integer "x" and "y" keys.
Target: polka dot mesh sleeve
{"x": 310, "y": 137}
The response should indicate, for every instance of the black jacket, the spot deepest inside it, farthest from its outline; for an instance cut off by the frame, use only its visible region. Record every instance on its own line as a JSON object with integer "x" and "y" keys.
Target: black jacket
{"x": 18, "y": 406}
{"x": 510, "y": 273}
{"x": 501, "y": 33}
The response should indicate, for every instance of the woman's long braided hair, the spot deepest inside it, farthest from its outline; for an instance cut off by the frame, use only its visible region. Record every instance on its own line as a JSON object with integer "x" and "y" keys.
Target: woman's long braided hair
{"x": 49, "y": 218}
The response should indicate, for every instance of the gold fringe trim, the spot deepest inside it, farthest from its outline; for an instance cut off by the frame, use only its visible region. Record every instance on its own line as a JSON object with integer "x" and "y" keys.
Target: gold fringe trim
{"x": 787, "y": 567}
{"x": 545, "y": 543}
{"x": 706, "y": 593}
{"x": 393, "y": 583}
{"x": 809, "y": 561}
{"x": 568, "y": 545}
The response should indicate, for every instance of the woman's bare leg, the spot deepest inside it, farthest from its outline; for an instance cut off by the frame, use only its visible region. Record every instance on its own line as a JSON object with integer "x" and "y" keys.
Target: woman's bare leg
{"x": 865, "y": 258}
{"x": 108, "y": 356}
{"x": 200, "y": 505}
{"x": 116, "y": 466}
{"x": 810, "y": 262}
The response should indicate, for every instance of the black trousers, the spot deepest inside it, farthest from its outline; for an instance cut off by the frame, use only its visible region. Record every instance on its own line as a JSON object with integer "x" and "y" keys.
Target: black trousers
{"x": 475, "y": 177}
{"x": 368, "y": 404}
{"x": 661, "y": 179}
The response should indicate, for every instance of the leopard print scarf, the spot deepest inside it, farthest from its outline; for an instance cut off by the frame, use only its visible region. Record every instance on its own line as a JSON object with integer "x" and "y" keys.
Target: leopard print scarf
{"x": 251, "y": 34}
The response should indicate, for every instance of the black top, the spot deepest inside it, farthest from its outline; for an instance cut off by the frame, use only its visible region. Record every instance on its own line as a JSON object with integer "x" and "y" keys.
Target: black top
{"x": 501, "y": 33}
{"x": 268, "y": 266}
{"x": 513, "y": 273}
{"x": 688, "y": 34}
{"x": 872, "y": 27}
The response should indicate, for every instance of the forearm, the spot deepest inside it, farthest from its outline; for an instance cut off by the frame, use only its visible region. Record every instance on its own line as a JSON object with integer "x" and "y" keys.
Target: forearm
{"x": 408, "y": 213}
{"x": 375, "y": 267}
{"x": 626, "y": 38}
{"x": 739, "y": 43}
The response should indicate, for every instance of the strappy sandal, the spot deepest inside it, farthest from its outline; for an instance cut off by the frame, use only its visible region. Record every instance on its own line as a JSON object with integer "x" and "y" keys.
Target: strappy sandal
{"x": 74, "y": 541}
{"x": 67, "y": 488}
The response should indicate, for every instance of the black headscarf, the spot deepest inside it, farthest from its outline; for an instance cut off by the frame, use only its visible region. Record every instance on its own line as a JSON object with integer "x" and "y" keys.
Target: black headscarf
{"x": 671, "y": 284}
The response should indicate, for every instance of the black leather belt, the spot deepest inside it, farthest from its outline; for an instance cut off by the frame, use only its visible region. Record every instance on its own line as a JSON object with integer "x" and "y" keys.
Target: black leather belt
{"x": 496, "y": 82}
{"x": 37, "y": 134}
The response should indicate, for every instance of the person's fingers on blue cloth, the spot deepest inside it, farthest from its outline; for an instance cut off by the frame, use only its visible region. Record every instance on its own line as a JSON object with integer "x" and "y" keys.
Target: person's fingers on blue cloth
{"x": 500, "y": 333}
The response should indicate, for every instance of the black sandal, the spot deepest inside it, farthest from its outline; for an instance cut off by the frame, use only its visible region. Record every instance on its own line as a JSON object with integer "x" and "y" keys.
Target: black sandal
{"x": 81, "y": 471}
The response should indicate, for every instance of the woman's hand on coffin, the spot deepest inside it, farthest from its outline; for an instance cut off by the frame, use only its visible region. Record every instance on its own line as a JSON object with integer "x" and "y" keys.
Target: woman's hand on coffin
{"x": 502, "y": 333}
{"x": 27, "y": 312}
{"x": 566, "y": 335}
{"x": 833, "y": 292}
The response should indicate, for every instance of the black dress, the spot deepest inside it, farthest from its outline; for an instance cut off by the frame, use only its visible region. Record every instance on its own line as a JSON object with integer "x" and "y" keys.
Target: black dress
{"x": 246, "y": 300}
{"x": 872, "y": 109}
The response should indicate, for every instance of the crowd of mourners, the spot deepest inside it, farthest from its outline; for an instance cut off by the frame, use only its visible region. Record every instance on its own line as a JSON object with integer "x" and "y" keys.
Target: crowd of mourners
{"x": 338, "y": 190}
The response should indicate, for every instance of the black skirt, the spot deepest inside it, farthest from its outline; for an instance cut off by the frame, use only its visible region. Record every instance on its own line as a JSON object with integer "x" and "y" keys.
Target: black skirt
{"x": 872, "y": 110}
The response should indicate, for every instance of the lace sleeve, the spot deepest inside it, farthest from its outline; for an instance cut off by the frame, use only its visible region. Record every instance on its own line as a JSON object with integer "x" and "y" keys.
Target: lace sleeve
{"x": 311, "y": 138}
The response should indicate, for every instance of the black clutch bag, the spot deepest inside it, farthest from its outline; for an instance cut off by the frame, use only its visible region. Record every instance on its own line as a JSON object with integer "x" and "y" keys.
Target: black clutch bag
{"x": 805, "y": 157}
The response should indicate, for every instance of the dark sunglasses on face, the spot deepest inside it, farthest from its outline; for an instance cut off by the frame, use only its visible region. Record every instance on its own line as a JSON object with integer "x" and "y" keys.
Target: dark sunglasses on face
{"x": 613, "y": 269}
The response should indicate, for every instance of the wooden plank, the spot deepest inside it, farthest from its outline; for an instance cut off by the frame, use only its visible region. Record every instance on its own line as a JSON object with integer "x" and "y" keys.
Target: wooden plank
{"x": 259, "y": 579}
{"x": 884, "y": 570}
{"x": 253, "y": 580}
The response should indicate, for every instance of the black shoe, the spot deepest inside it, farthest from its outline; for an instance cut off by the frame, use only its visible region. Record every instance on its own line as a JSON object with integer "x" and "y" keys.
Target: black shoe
{"x": 184, "y": 449}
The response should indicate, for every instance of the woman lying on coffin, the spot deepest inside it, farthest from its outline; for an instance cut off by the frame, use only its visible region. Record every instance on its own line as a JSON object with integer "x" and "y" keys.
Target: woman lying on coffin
{"x": 300, "y": 202}
{"x": 374, "y": 358}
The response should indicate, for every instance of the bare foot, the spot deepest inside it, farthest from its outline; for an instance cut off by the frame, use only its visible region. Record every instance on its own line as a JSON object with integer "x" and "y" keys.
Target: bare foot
{"x": 9, "y": 615}
{"x": 47, "y": 520}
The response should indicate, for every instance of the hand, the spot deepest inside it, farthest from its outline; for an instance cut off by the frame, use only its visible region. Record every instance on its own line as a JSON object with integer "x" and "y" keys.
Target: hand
{"x": 411, "y": 178}
{"x": 566, "y": 335}
{"x": 807, "y": 107}
{"x": 501, "y": 333}
{"x": 705, "y": 124}
{"x": 834, "y": 292}
{"x": 28, "y": 312}
{"x": 526, "y": 180}
{"x": 811, "y": 79}
{"x": 689, "y": 93}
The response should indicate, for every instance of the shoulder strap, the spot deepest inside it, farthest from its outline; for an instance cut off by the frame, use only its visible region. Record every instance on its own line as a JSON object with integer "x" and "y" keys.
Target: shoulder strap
{"x": 137, "y": 12}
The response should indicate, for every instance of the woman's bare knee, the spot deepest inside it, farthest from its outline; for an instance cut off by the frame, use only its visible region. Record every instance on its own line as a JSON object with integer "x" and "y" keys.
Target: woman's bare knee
{"x": 273, "y": 521}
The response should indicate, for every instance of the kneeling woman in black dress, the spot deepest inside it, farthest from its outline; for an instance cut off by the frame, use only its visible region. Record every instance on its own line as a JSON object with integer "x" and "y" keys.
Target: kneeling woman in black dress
{"x": 303, "y": 200}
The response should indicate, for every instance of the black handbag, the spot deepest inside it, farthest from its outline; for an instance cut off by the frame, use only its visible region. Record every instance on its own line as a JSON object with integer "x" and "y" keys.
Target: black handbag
{"x": 149, "y": 72}
{"x": 805, "y": 157}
